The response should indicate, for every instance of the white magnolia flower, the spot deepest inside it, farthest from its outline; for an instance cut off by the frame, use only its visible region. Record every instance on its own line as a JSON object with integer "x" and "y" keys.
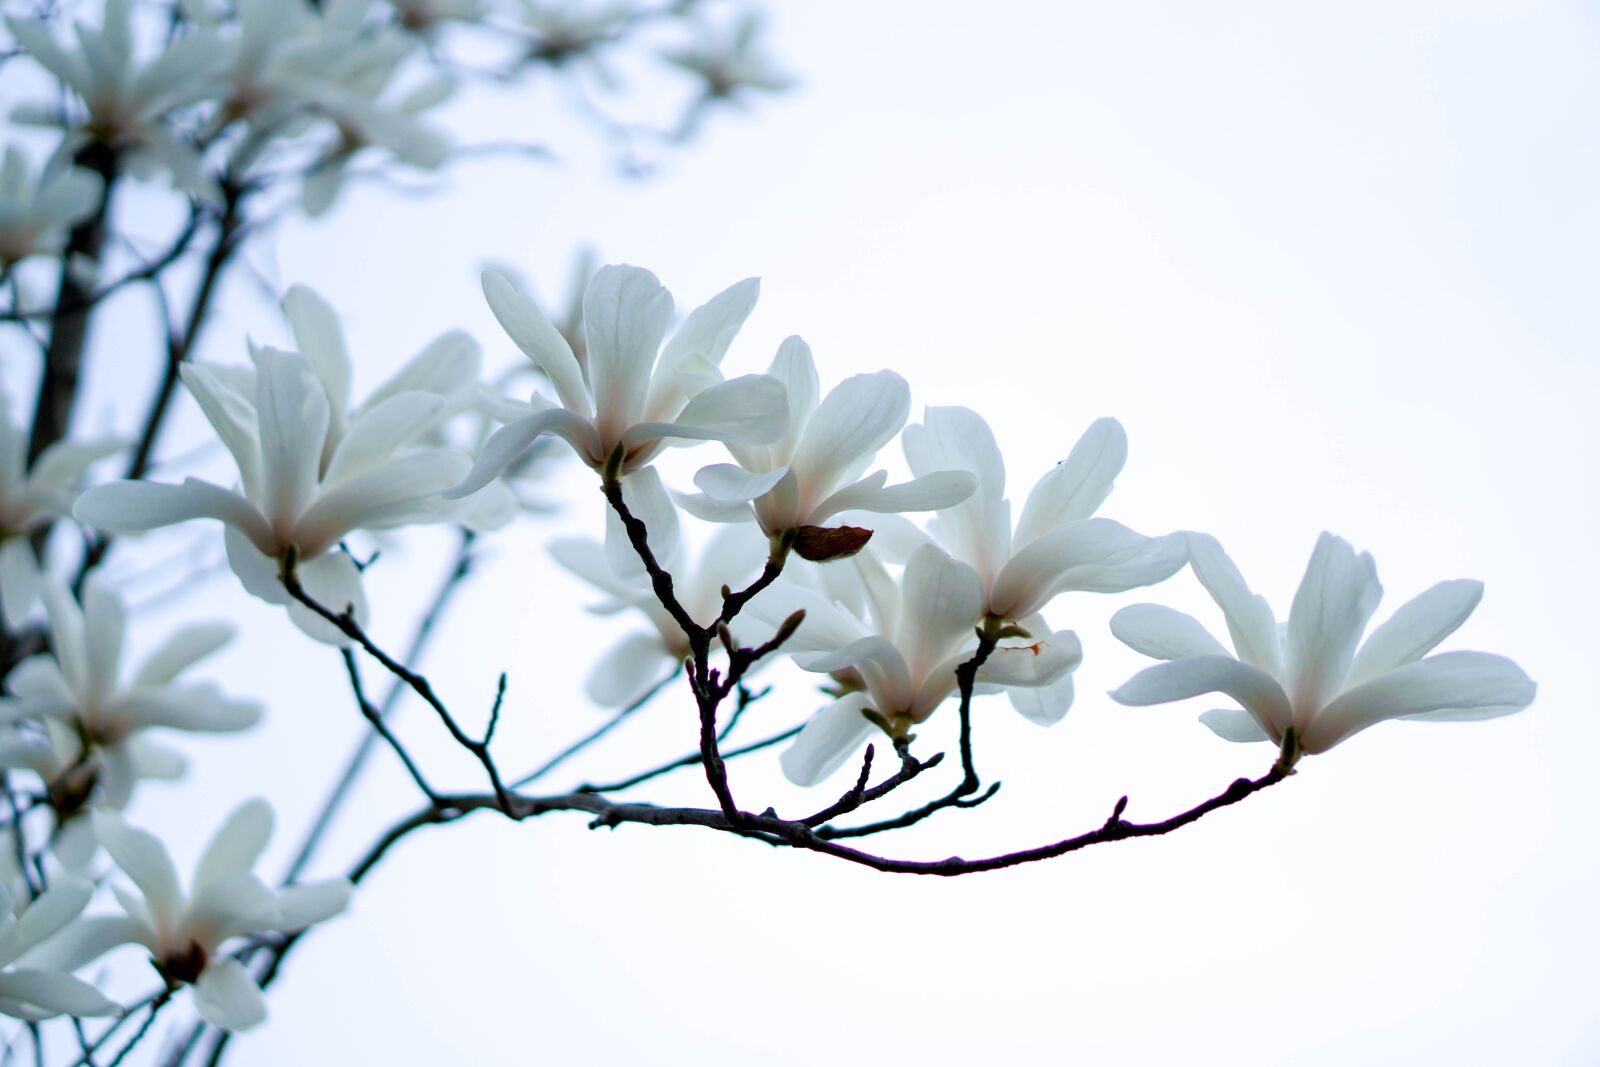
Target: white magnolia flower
{"x": 1056, "y": 546}
{"x": 812, "y": 473}
{"x": 1310, "y": 675}
{"x": 125, "y": 100}
{"x": 71, "y": 777}
{"x": 446, "y": 368}
{"x": 294, "y": 66}
{"x": 31, "y": 498}
{"x": 297, "y": 500}
{"x": 354, "y": 89}
{"x": 427, "y": 16}
{"x": 35, "y": 213}
{"x": 564, "y": 30}
{"x": 620, "y": 408}
{"x": 80, "y": 683}
{"x": 33, "y": 992}
{"x": 733, "y": 557}
{"x": 729, "y": 58}
{"x": 903, "y": 656}
{"x": 186, "y": 933}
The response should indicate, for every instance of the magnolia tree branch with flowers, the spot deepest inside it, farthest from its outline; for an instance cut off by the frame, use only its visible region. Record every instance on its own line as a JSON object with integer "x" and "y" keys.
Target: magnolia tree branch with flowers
{"x": 901, "y": 597}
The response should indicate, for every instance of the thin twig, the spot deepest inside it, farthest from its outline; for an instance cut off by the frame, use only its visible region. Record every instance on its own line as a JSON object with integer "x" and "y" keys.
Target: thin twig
{"x": 460, "y": 568}
{"x": 617, "y": 718}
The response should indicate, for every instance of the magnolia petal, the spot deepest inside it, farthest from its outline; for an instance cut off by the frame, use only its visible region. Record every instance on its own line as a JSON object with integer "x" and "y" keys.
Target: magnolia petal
{"x": 294, "y": 415}
{"x": 1415, "y": 629}
{"x": 1183, "y": 678}
{"x": 511, "y": 441}
{"x": 627, "y": 670}
{"x": 832, "y": 736}
{"x": 490, "y": 508}
{"x": 401, "y": 492}
{"x": 321, "y": 186}
{"x": 19, "y": 581}
{"x": 236, "y": 845}
{"x": 1152, "y": 560}
{"x": 34, "y": 35}
{"x": 320, "y": 339}
{"x": 85, "y": 941}
{"x": 332, "y": 580}
{"x": 647, "y": 499}
{"x": 64, "y": 901}
{"x": 1038, "y": 664}
{"x": 20, "y": 751}
{"x": 858, "y": 417}
{"x": 532, "y": 332}
{"x": 709, "y": 329}
{"x": 258, "y": 573}
{"x": 625, "y": 315}
{"x": 931, "y": 492}
{"x": 1076, "y": 487}
{"x": 956, "y": 438}
{"x": 1092, "y": 555}
{"x": 182, "y": 650}
{"x": 1234, "y": 724}
{"x": 1251, "y": 625}
{"x": 233, "y": 905}
{"x": 67, "y": 636}
{"x": 826, "y": 628}
{"x": 448, "y": 365}
{"x": 706, "y": 509}
{"x": 749, "y": 410}
{"x": 691, "y": 357}
{"x": 232, "y": 415}
{"x": 731, "y": 486}
{"x": 1336, "y": 598}
{"x": 54, "y": 993}
{"x": 228, "y": 998}
{"x": 894, "y": 538}
{"x": 115, "y": 776}
{"x": 1449, "y": 687}
{"x": 794, "y": 367}
{"x": 104, "y": 626}
{"x": 301, "y": 906}
{"x": 978, "y": 530}
{"x": 1162, "y": 633}
{"x": 63, "y": 462}
{"x": 379, "y": 432}
{"x": 941, "y": 601}
{"x": 38, "y": 680}
{"x": 134, "y": 507}
{"x": 148, "y": 758}
{"x": 75, "y": 847}
{"x": 586, "y": 558}
{"x": 143, "y": 858}
{"x": 1044, "y": 705}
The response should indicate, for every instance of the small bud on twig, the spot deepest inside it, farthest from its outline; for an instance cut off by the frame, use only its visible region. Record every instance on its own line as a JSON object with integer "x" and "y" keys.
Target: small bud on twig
{"x": 819, "y": 544}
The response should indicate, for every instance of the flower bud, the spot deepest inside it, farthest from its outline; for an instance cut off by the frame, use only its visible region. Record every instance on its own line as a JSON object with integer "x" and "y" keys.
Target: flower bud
{"x": 819, "y": 544}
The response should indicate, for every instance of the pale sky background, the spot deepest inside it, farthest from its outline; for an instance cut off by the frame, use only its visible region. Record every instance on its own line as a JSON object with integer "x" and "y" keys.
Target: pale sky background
{"x": 1332, "y": 266}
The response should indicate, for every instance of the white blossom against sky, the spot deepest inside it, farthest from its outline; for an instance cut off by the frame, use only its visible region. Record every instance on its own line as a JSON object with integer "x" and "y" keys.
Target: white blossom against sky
{"x": 1332, "y": 266}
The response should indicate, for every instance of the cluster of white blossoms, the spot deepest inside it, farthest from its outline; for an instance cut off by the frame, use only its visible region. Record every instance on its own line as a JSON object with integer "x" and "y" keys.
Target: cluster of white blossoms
{"x": 892, "y": 609}
{"x": 906, "y": 594}
{"x": 233, "y": 112}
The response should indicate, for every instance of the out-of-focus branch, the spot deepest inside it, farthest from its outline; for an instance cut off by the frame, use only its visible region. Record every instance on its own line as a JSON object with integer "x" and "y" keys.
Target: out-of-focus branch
{"x": 617, "y": 718}
{"x": 69, "y": 320}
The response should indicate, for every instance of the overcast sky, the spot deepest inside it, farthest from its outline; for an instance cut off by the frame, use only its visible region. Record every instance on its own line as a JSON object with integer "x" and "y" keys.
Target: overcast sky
{"x": 1332, "y": 266}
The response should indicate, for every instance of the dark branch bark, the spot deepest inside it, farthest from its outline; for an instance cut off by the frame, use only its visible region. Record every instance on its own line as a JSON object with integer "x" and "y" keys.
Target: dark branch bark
{"x": 69, "y": 321}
